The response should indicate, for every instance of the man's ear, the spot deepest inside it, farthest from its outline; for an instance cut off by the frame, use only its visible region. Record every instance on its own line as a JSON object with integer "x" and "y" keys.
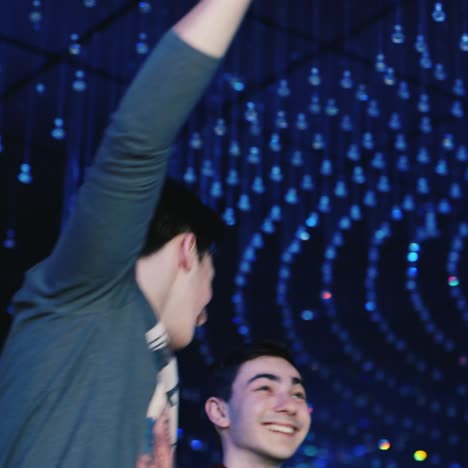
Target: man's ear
{"x": 188, "y": 250}
{"x": 218, "y": 412}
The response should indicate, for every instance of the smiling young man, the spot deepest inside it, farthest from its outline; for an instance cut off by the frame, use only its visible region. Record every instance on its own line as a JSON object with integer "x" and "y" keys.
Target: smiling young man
{"x": 87, "y": 375}
{"x": 258, "y": 406}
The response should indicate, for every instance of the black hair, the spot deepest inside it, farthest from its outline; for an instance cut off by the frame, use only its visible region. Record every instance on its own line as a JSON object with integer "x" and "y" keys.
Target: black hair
{"x": 178, "y": 211}
{"x": 224, "y": 372}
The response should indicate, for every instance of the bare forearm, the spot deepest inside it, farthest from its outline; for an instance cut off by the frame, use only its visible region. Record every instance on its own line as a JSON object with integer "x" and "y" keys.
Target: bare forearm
{"x": 211, "y": 25}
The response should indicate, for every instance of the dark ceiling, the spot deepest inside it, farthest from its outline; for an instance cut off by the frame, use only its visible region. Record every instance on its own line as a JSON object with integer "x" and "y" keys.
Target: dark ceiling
{"x": 333, "y": 142}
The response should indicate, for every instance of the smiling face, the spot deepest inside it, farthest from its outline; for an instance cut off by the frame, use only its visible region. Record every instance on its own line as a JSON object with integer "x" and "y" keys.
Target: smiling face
{"x": 177, "y": 281}
{"x": 267, "y": 417}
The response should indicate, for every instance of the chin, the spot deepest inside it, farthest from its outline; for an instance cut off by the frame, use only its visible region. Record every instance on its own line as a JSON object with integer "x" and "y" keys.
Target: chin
{"x": 177, "y": 345}
{"x": 280, "y": 454}
{"x": 283, "y": 455}
{"x": 180, "y": 342}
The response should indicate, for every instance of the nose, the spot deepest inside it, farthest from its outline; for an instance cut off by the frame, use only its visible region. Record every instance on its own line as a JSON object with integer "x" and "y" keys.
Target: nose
{"x": 286, "y": 403}
{"x": 202, "y": 318}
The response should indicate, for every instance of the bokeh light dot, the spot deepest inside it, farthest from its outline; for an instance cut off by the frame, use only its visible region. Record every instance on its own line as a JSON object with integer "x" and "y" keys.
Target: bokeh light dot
{"x": 307, "y": 315}
{"x": 326, "y": 295}
{"x": 420, "y": 455}
{"x": 453, "y": 281}
{"x": 384, "y": 444}
{"x": 413, "y": 257}
{"x": 310, "y": 451}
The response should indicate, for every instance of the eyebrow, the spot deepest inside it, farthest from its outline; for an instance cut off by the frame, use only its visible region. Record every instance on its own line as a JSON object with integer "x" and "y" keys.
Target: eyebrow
{"x": 275, "y": 378}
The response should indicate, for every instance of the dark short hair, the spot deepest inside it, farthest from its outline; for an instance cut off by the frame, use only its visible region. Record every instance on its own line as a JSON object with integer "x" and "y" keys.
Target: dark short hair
{"x": 223, "y": 373}
{"x": 178, "y": 211}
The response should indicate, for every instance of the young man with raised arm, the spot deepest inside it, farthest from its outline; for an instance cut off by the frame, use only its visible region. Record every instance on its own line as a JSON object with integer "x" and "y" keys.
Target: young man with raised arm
{"x": 87, "y": 375}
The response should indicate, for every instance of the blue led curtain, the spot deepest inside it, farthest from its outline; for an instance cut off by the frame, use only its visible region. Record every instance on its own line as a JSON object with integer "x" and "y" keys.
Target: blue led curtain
{"x": 333, "y": 143}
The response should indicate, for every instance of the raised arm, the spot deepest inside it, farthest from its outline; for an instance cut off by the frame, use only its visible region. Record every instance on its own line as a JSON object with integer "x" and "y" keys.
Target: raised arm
{"x": 211, "y": 25}
{"x": 105, "y": 233}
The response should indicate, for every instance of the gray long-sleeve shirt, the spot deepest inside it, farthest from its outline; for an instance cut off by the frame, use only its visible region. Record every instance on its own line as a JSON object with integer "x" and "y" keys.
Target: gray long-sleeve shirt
{"x": 76, "y": 374}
